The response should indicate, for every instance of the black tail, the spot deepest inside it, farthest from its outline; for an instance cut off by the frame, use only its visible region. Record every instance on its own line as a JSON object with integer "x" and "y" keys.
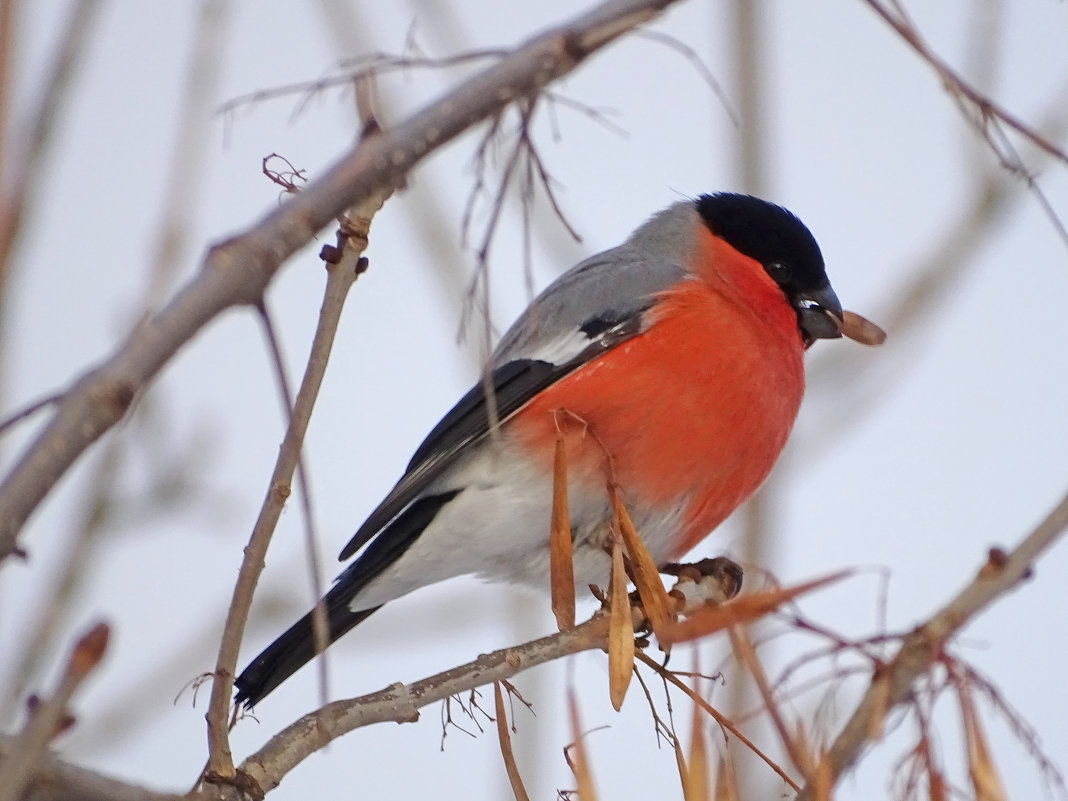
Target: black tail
{"x": 290, "y": 652}
{"x": 294, "y": 649}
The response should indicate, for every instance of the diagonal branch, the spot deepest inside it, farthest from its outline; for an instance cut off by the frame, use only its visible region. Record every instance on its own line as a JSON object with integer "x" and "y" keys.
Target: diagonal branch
{"x": 985, "y": 108}
{"x": 893, "y": 685}
{"x": 237, "y": 271}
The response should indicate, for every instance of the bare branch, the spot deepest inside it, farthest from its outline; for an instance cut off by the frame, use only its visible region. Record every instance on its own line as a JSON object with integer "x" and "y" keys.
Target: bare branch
{"x": 985, "y": 108}
{"x": 47, "y": 718}
{"x": 922, "y": 648}
{"x": 57, "y": 780}
{"x": 340, "y": 279}
{"x": 28, "y": 411}
{"x": 401, "y": 703}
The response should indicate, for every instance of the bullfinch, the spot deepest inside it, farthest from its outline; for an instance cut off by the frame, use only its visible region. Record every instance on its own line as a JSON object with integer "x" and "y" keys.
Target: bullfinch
{"x": 671, "y": 365}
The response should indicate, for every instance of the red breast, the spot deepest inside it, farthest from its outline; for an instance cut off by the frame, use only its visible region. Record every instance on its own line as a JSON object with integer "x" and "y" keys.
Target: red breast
{"x": 694, "y": 410}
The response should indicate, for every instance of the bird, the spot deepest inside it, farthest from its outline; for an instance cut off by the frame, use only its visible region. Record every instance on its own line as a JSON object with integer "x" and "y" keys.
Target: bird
{"x": 672, "y": 368}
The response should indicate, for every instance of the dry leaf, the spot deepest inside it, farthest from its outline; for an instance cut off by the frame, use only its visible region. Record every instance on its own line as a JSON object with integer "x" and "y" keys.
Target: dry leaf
{"x": 984, "y": 775}
{"x": 862, "y": 330}
{"x": 726, "y": 790}
{"x": 561, "y": 568}
{"x": 695, "y": 779}
{"x": 680, "y": 765}
{"x": 646, "y": 576}
{"x": 578, "y": 763}
{"x": 620, "y": 631}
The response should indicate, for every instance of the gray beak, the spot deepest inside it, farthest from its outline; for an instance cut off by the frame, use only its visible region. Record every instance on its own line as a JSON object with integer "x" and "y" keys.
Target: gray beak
{"x": 819, "y": 314}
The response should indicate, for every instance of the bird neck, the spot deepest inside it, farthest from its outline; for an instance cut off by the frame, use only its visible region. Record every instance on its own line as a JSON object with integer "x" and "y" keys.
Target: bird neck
{"x": 745, "y": 283}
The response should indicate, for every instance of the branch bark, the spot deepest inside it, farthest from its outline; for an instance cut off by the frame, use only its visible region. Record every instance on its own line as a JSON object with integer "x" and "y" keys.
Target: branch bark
{"x": 341, "y": 277}
{"x": 401, "y": 703}
{"x": 57, "y": 780}
{"x": 237, "y": 271}
{"x": 892, "y": 686}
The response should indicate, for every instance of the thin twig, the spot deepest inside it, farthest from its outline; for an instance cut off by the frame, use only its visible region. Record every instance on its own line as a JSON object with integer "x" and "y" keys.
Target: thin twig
{"x": 29, "y": 411}
{"x": 48, "y": 614}
{"x": 983, "y": 104}
{"x": 311, "y": 538}
{"x": 923, "y": 647}
{"x": 340, "y": 277}
{"x": 725, "y": 723}
{"x": 355, "y": 69}
{"x": 699, "y": 66}
{"x": 17, "y": 769}
{"x": 743, "y": 649}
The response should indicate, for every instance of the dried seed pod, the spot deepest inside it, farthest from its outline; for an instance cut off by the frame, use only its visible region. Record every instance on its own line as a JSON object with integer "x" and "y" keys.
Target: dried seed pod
{"x": 862, "y": 330}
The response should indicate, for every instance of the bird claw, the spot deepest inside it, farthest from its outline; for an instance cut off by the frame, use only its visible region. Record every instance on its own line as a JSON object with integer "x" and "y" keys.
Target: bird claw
{"x": 707, "y": 581}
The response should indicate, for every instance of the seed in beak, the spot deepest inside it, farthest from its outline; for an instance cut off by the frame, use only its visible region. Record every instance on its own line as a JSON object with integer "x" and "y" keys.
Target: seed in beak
{"x": 862, "y": 330}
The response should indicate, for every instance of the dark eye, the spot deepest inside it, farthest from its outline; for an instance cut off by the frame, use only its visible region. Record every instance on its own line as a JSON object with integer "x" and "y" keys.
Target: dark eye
{"x": 779, "y": 272}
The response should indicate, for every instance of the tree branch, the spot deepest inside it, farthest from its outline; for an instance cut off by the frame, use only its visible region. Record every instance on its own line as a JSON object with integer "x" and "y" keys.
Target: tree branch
{"x": 401, "y": 703}
{"x": 237, "y": 271}
{"x": 341, "y": 277}
{"x": 955, "y": 83}
{"x": 892, "y": 685}
{"x": 57, "y": 780}
{"x": 49, "y": 717}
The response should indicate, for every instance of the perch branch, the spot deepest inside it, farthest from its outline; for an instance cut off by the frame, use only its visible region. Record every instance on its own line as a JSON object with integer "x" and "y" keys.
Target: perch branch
{"x": 401, "y": 703}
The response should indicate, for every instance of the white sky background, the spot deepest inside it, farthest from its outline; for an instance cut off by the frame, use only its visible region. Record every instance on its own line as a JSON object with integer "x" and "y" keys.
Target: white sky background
{"x": 967, "y": 445}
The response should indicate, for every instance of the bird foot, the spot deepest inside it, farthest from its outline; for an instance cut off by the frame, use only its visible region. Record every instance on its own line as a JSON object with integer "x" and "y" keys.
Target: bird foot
{"x": 707, "y": 581}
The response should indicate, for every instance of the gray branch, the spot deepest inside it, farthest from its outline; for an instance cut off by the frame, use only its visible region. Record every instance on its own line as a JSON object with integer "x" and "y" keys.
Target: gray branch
{"x": 893, "y": 685}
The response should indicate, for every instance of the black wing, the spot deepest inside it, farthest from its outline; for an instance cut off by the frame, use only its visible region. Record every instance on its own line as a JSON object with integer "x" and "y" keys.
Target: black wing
{"x": 512, "y": 385}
